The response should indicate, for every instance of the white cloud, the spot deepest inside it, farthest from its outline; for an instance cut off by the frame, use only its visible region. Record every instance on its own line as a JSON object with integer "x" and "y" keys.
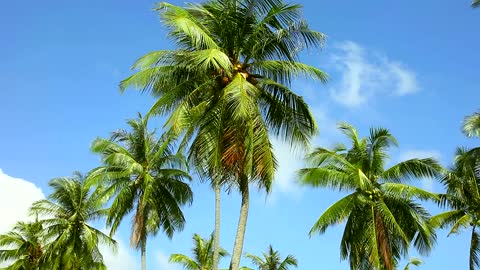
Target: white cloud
{"x": 161, "y": 261}
{"x": 365, "y": 74}
{"x": 289, "y": 161}
{"x": 16, "y": 197}
{"x": 427, "y": 183}
{"x": 122, "y": 259}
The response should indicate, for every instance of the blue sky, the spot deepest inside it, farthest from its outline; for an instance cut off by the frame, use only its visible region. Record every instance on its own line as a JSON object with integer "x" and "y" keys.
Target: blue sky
{"x": 410, "y": 66}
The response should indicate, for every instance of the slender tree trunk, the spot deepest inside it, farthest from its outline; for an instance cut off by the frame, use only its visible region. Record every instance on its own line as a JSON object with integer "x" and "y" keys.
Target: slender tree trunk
{"x": 473, "y": 245}
{"x": 144, "y": 253}
{"x": 216, "y": 235}
{"x": 242, "y": 225}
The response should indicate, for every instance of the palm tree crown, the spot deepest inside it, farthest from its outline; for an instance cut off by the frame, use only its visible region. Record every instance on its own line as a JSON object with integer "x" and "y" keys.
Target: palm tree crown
{"x": 471, "y": 124}
{"x": 72, "y": 243}
{"x": 228, "y": 83}
{"x": 143, "y": 175}
{"x": 24, "y": 246}
{"x": 202, "y": 255}
{"x": 463, "y": 196}
{"x": 382, "y": 217}
{"x": 272, "y": 260}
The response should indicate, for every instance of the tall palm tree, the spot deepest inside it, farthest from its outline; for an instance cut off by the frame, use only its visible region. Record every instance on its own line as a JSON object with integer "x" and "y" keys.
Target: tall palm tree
{"x": 228, "y": 85}
{"x": 143, "y": 175}
{"x": 24, "y": 246}
{"x": 382, "y": 217}
{"x": 463, "y": 196}
{"x": 203, "y": 255}
{"x": 272, "y": 260}
{"x": 72, "y": 243}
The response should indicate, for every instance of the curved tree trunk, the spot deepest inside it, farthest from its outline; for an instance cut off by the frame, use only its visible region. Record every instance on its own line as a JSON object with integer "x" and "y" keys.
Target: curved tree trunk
{"x": 242, "y": 224}
{"x": 144, "y": 254}
{"x": 216, "y": 235}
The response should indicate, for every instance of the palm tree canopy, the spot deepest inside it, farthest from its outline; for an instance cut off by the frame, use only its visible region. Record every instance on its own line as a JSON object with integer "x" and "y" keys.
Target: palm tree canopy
{"x": 475, "y": 3}
{"x": 471, "y": 124}
{"x": 72, "y": 243}
{"x": 23, "y": 247}
{"x": 202, "y": 255}
{"x": 229, "y": 79}
{"x": 142, "y": 174}
{"x": 463, "y": 197}
{"x": 381, "y": 213}
{"x": 272, "y": 260}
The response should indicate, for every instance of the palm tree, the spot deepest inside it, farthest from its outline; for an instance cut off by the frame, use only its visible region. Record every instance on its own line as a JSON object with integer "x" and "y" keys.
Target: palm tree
{"x": 24, "y": 246}
{"x": 382, "y": 217}
{"x": 72, "y": 243}
{"x": 463, "y": 196}
{"x": 227, "y": 85}
{"x": 143, "y": 175}
{"x": 475, "y": 3}
{"x": 203, "y": 255}
{"x": 272, "y": 260}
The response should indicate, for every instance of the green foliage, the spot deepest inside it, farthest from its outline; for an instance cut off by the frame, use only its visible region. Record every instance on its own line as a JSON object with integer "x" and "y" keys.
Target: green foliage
{"x": 202, "y": 255}
{"x": 475, "y": 3}
{"x": 381, "y": 213}
{"x": 23, "y": 247}
{"x": 471, "y": 124}
{"x": 463, "y": 197}
{"x": 272, "y": 260}
{"x": 413, "y": 261}
{"x": 71, "y": 242}
{"x": 226, "y": 87}
{"x": 142, "y": 174}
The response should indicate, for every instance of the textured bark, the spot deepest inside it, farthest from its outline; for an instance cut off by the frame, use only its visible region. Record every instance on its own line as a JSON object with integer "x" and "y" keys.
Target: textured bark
{"x": 242, "y": 224}
{"x": 473, "y": 245}
{"x": 216, "y": 235}
{"x": 383, "y": 242}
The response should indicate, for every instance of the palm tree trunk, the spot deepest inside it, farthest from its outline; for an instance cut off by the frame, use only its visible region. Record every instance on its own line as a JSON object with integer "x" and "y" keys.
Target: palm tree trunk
{"x": 242, "y": 225}
{"x": 144, "y": 253}
{"x": 473, "y": 248}
{"x": 216, "y": 235}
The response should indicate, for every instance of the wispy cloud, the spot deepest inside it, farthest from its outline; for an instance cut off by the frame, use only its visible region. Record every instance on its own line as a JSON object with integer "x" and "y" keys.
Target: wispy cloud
{"x": 365, "y": 74}
{"x": 161, "y": 262}
{"x": 121, "y": 259}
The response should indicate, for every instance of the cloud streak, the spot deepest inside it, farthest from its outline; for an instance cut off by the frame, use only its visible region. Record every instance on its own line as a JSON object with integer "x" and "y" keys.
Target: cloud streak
{"x": 365, "y": 74}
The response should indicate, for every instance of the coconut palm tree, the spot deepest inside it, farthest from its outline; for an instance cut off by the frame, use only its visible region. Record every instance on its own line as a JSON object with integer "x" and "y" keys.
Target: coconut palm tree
{"x": 272, "y": 260}
{"x": 463, "y": 196}
{"x": 381, "y": 214}
{"x": 24, "y": 246}
{"x": 143, "y": 175}
{"x": 203, "y": 254}
{"x": 228, "y": 85}
{"x": 72, "y": 242}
